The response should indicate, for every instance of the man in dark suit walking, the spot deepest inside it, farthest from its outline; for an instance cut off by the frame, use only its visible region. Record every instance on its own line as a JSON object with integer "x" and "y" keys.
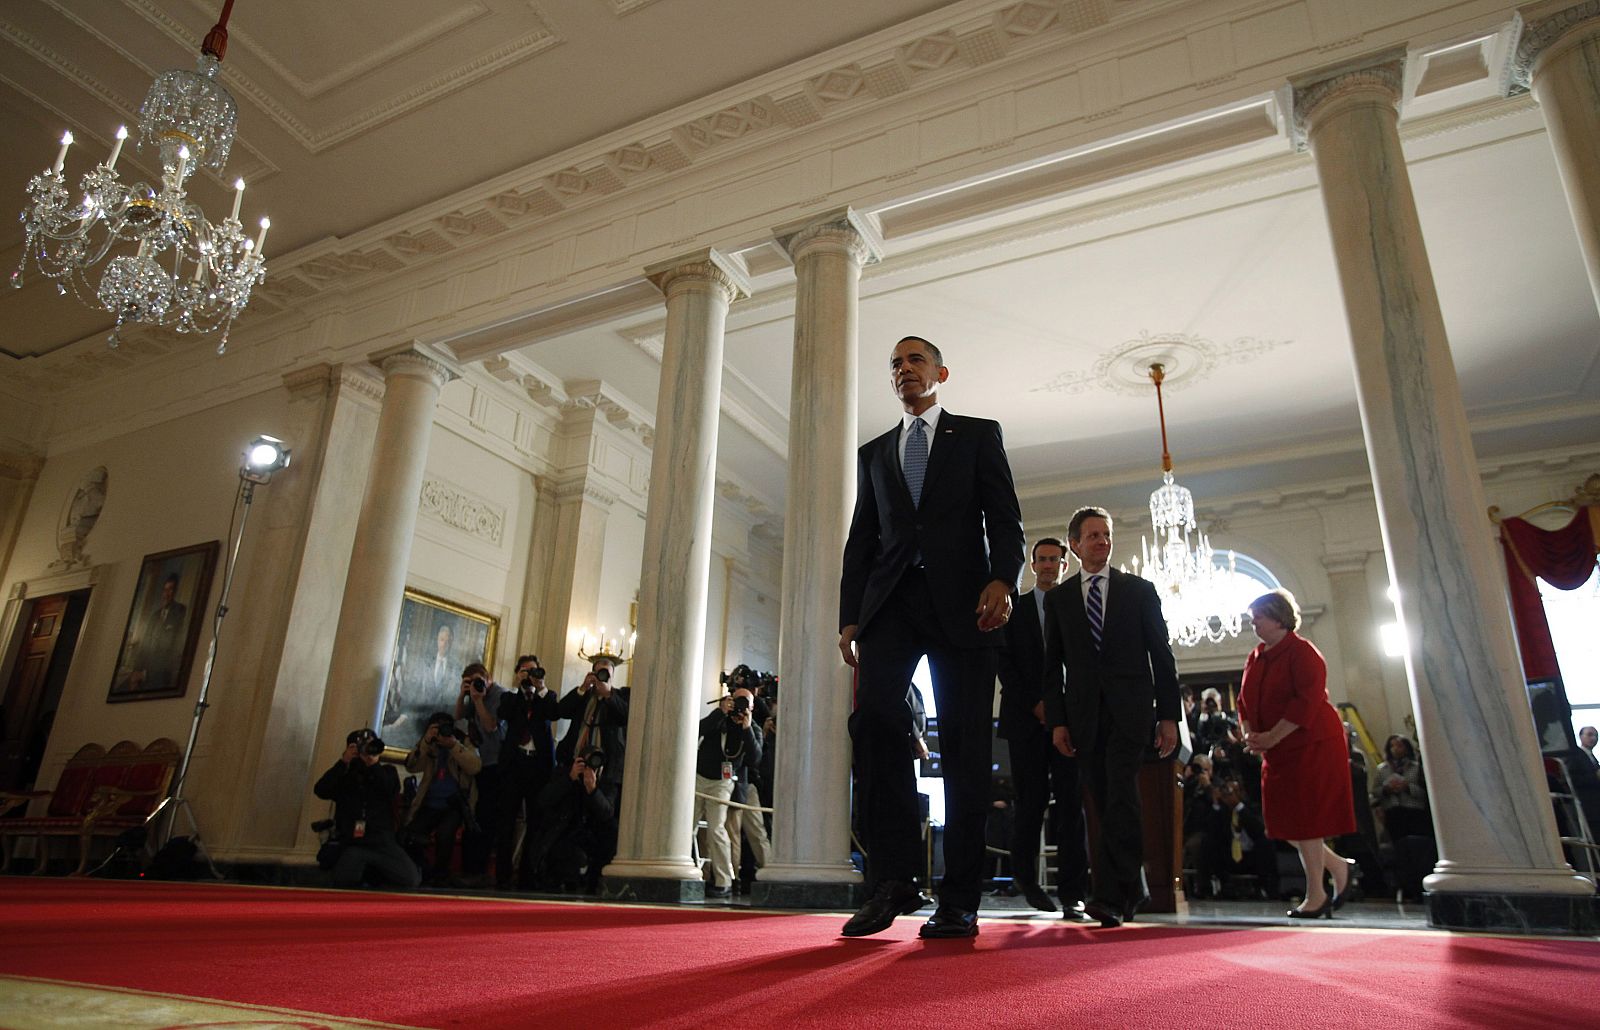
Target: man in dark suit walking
{"x": 1109, "y": 676}
{"x": 1036, "y": 766}
{"x": 934, "y": 552}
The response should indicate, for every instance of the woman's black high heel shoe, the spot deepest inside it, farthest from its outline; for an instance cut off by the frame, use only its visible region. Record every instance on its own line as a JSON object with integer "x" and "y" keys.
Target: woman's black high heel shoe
{"x": 1325, "y": 912}
{"x": 1340, "y": 897}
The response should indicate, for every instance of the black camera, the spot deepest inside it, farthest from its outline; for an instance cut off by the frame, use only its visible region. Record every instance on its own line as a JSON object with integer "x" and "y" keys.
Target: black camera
{"x": 366, "y": 742}
{"x": 595, "y": 760}
{"x": 603, "y": 674}
{"x": 741, "y": 705}
{"x": 446, "y": 731}
{"x": 531, "y": 676}
{"x": 478, "y": 684}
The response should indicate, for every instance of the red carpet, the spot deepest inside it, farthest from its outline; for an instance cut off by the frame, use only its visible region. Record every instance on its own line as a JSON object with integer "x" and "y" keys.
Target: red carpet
{"x": 444, "y": 962}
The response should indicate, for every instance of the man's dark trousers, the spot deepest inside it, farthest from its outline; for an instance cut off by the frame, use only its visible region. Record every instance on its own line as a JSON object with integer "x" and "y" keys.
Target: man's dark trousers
{"x": 1037, "y": 771}
{"x": 905, "y": 629}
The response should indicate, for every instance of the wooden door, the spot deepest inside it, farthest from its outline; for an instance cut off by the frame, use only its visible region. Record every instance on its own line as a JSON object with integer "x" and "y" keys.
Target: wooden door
{"x": 43, "y": 620}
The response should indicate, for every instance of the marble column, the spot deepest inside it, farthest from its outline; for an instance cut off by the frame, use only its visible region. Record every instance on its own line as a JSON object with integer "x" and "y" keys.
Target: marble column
{"x": 289, "y": 584}
{"x": 1500, "y": 863}
{"x": 656, "y": 823}
{"x": 1558, "y": 57}
{"x": 810, "y": 863}
{"x": 374, "y": 586}
{"x": 1351, "y": 605}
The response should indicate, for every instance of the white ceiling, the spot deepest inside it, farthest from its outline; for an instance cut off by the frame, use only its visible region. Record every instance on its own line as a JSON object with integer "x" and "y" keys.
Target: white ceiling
{"x": 351, "y": 113}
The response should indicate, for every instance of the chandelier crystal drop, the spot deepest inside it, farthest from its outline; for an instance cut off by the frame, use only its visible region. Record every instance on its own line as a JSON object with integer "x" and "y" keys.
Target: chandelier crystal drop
{"x": 160, "y": 261}
{"x": 1198, "y": 596}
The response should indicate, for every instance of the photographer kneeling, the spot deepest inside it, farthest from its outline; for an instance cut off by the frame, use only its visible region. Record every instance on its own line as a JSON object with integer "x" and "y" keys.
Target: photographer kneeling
{"x": 446, "y": 767}
{"x": 363, "y": 793}
{"x": 577, "y": 827}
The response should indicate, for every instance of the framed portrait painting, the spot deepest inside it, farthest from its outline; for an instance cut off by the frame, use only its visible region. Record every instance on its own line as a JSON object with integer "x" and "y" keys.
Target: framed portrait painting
{"x": 163, "y": 630}
{"x": 435, "y": 640}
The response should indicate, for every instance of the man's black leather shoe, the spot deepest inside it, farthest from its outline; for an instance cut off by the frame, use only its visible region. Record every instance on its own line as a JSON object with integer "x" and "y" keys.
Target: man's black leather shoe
{"x": 1108, "y": 915}
{"x": 718, "y": 892}
{"x": 1038, "y": 898}
{"x": 949, "y": 922}
{"x": 1131, "y": 907}
{"x": 892, "y": 898}
{"x": 1072, "y": 912}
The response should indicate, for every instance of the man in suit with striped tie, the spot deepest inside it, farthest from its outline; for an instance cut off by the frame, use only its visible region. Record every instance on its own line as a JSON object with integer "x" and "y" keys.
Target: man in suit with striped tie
{"x": 1110, "y": 692}
{"x": 934, "y": 551}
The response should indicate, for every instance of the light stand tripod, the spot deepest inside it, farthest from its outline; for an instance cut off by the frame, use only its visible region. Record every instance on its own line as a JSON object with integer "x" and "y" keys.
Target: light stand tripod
{"x": 263, "y": 457}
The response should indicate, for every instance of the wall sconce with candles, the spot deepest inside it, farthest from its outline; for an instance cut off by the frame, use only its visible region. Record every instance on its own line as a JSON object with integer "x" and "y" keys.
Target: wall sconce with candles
{"x": 618, "y": 648}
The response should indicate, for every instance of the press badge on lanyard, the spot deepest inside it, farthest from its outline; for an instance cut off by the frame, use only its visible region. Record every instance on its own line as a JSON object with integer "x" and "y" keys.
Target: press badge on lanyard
{"x": 361, "y": 828}
{"x": 727, "y": 770}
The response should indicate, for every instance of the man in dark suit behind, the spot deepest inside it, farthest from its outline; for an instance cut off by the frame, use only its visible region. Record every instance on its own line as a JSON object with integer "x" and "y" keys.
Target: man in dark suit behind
{"x": 934, "y": 551}
{"x": 1036, "y": 766}
{"x": 1109, "y": 675}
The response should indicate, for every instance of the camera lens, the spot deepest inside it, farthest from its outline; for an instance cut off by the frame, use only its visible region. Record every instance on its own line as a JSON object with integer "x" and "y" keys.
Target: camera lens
{"x": 603, "y": 674}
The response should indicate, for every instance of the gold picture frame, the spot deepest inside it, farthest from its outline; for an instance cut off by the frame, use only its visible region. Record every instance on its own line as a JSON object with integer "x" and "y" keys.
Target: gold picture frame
{"x": 436, "y": 638}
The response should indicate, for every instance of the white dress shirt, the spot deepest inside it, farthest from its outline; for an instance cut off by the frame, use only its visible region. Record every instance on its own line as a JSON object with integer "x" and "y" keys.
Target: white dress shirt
{"x": 930, "y": 418}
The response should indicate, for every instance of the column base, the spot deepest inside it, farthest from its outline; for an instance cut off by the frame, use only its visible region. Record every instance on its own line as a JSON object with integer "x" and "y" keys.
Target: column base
{"x": 1514, "y": 913}
{"x": 807, "y": 894}
{"x": 651, "y": 889}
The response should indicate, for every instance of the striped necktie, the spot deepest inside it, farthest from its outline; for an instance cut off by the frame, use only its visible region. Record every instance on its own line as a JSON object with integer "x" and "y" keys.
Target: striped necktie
{"x": 1096, "y": 610}
{"x": 916, "y": 459}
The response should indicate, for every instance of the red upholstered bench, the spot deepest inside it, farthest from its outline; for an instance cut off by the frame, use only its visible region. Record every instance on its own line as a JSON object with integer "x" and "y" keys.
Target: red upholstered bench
{"x": 100, "y": 793}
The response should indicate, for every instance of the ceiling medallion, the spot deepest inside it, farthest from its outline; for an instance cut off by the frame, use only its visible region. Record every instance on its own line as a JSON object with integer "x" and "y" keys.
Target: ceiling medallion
{"x": 1187, "y": 358}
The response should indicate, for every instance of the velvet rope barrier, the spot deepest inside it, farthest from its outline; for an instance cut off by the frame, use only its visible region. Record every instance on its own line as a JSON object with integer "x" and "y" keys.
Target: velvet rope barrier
{"x": 1565, "y": 559}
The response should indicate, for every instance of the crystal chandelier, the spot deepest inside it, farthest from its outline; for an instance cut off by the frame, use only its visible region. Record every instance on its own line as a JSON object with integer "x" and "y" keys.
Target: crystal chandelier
{"x": 1197, "y": 593}
{"x": 171, "y": 266}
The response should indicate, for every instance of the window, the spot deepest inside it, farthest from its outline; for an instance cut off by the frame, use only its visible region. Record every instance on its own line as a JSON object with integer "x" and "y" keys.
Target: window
{"x": 1573, "y": 615}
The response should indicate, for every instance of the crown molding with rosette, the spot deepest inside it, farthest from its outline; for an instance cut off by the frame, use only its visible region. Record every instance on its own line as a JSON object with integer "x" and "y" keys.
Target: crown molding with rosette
{"x": 374, "y": 280}
{"x": 460, "y": 509}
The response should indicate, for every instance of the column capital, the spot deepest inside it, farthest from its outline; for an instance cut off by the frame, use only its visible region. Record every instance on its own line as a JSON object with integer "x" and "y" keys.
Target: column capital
{"x": 1346, "y": 561}
{"x": 1539, "y": 27}
{"x": 1374, "y": 78}
{"x": 323, "y": 378}
{"x": 413, "y": 361}
{"x": 703, "y": 269}
{"x": 845, "y": 230}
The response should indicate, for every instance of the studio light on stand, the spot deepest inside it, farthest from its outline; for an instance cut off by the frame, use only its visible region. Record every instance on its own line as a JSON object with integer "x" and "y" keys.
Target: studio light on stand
{"x": 264, "y": 456}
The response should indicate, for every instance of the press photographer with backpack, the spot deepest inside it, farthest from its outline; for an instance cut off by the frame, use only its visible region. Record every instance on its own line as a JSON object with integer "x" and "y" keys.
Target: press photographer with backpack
{"x": 363, "y": 792}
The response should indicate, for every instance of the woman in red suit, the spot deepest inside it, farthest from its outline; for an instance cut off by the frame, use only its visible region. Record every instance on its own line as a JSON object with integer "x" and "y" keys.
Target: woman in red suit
{"x": 1305, "y": 775}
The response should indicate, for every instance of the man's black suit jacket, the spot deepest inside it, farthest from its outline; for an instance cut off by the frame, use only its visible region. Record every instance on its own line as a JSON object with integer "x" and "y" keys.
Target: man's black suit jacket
{"x": 1133, "y": 674}
{"x": 968, "y": 528}
{"x": 1021, "y": 668}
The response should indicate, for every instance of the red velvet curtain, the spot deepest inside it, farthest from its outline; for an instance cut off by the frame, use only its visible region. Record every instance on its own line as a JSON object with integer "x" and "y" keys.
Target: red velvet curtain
{"x": 1562, "y": 557}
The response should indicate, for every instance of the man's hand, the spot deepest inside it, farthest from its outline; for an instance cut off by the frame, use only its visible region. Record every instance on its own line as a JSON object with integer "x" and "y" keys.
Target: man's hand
{"x": 590, "y": 781}
{"x": 1063, "y": 741}
{"x": 588, "y": 684}
{"x": 1166, "y": 740}
{"x": 847, "y": 646}
{"x": 350, "y": 752}
{"x": 726, "y": 704}
{"x": 994, "y": 606}
{"x": 602, "y": 687}
{"x": 576, "y": 771}
{"x": 432, "y": 734}
{"x": 1038, "y": 711}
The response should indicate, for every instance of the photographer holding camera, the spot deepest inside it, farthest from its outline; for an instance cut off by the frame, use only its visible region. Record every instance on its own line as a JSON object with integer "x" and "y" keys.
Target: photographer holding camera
{"x": 527, "y": 754}
{"x": 730, "y": 743}
{"x": 577, "y": 826}
{"x": 598, "y": 710}
{"x": 363, "y": 793}
{"x": 446, "y": 767}
{"x": 478, "y": 703}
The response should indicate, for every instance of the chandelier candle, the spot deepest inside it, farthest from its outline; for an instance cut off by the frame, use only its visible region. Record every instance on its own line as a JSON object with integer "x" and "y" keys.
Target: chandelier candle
{"x": 61, "y": 158}
{"x": 116, "y": 148}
